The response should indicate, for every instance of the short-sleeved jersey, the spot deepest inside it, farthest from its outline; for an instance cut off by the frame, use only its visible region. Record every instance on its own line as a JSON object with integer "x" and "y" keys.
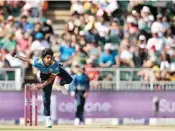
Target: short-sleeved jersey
{"x": 80, "y": 82}
{"x": 54, "y": 68}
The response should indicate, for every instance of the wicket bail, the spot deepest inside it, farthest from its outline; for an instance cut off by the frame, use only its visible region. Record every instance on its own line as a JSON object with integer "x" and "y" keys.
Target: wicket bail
{"x": 31, "y": 101}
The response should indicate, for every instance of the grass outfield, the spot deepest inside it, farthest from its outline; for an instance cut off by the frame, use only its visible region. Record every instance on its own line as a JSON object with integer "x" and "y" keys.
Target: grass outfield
{"x": 84, "y": 128}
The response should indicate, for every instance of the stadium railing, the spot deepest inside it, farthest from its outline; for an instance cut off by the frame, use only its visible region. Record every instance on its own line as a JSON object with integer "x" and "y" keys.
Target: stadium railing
{"x": 115, "y": 79}
{"x": 122, "y": 79}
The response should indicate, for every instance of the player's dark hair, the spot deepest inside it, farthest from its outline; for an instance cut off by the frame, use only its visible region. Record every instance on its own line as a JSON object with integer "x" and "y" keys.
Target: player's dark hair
{"x": 47, "y": 51}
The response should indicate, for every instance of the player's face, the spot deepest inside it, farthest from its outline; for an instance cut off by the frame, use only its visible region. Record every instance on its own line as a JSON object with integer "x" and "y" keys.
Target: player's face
{"x": 48, "y": 60}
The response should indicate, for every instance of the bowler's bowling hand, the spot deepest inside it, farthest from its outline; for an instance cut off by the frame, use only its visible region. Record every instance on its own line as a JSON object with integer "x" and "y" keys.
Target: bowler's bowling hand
{"x": 72, "y": 94}
{"x": 85, "y": 95}
{"x": 38, "y": 86}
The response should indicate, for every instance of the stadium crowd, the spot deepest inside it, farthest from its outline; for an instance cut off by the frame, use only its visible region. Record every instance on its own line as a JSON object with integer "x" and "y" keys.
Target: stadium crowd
{"x": 101, "y": 33}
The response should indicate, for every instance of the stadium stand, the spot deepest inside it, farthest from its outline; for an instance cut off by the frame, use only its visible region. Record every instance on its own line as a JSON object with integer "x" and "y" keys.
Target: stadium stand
{"x": 98, "y": 34}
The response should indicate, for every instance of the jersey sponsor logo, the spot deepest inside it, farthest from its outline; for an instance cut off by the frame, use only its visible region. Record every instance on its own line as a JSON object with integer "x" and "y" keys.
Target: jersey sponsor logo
{"x": 39, "y": 60}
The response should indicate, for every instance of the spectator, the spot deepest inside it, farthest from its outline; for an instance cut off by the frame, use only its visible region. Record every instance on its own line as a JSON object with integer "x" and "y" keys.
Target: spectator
{"x": 165, "y": 62}
{"x": 126, "y": 57}
{"x": 46, "y": 29}
{"x": 157, "y": 26}
{"x": 24, "y": 24}
{"x": 77, "y": 6}
{"x": 94, "y": 52}
{"x": 165, "y": 23}
{"x": 66, "y": 51}
{"x": 14, "y": 7}
{"x": 155, "y": 41}
{"x": 10, "y": 25}
{"x": 107, "y": 58}
{"x": 169, "y": 38}
{"x": 3, "y": 9}
{"x": 92, "y": 74}
{"x": 115, "y": 33}
{"x": 39, "y": 44}
{"x": 146, "y": 73}
{"x": 23, "y": 44}
{"x": 143, "y": 22}
{"x": 102, "y": 29}
{"x": 131, "y": 27}
{"x": 141, "y": 54}
{"x": 37, "y": 29}
{"x": 10, "y": 43}
{"x": 82, "y": 40}
{"x": 78, "y": 58}
{"x": 34, "y": 8}
{"x": 92, "y": 35}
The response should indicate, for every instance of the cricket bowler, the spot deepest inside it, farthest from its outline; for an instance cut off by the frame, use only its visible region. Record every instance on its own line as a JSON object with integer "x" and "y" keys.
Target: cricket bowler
{"x": 49, "y": 68}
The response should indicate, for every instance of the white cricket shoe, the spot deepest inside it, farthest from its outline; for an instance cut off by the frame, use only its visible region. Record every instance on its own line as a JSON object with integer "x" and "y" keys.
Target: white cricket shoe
{"x": 64, "y": 90}
{"x": 48, "y": 122}
{"x": 77, "y": 121}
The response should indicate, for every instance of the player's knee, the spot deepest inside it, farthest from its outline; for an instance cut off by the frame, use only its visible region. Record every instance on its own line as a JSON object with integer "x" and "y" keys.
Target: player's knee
{"x": 69, "y": 80}
{"x": 66, "y": 81}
